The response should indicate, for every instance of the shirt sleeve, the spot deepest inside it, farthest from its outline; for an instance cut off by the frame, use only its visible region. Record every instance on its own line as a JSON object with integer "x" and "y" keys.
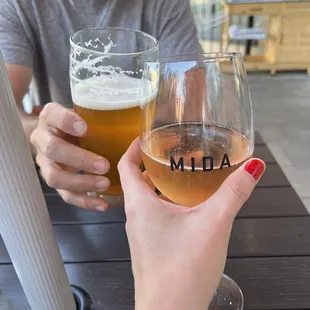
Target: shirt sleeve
{"x": 15, "y": 43}
{"x": 177, "y": 31}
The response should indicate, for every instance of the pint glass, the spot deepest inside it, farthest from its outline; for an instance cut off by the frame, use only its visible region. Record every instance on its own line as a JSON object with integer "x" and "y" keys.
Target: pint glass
{"x": 106, "y": 66}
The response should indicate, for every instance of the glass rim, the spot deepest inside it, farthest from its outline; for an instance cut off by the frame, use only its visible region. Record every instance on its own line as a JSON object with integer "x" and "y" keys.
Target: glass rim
{"x": 144, "y": 34}
{"x": 197, "y": 57}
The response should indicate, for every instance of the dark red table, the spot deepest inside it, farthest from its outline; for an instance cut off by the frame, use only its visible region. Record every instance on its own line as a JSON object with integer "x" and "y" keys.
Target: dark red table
{"x": 268, "y": 256}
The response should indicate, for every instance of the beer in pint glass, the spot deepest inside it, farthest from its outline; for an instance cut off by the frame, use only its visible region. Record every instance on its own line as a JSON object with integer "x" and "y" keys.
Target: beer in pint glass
{"x": 106, "y": 67}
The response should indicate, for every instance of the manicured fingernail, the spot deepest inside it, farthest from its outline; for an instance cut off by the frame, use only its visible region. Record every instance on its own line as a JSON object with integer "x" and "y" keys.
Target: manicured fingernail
{"x": 99, "y": 208}
{"x": 255, "y": 168}
{"x": 79, "y": 127}
{"x": 102, "y": 185}
{"x": 101, "y": 166}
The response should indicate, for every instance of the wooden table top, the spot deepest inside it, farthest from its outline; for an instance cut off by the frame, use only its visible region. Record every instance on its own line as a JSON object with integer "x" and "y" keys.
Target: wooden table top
{"x": 268, "y": 256}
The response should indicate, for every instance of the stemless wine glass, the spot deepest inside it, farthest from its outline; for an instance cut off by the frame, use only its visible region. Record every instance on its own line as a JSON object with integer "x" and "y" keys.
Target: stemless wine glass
{"x": 197, "y": 130}
{"x": 106, "y": 66}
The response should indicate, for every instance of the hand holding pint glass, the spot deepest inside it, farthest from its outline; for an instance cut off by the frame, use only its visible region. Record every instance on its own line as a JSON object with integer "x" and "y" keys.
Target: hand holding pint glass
{"x": 198, "y": 131}
{"x": 106, "y": 66}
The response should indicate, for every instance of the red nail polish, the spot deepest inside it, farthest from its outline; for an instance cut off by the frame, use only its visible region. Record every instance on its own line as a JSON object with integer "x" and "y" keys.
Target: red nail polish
{"x": 255, "y": 168}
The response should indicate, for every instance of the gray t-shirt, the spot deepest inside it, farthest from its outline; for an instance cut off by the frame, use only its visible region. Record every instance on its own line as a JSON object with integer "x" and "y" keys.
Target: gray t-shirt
{"x": 35, "y": 33}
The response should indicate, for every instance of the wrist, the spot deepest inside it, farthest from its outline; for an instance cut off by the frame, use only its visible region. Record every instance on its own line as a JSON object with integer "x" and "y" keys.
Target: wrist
{"x": 169, "y": 301}
{"x": 166, "y": 297}
{"x": 176, "y": 289}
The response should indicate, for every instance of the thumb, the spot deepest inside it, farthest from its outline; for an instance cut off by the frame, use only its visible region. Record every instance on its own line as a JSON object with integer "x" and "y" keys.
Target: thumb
{"x": 131, "y": 176}
{"x": 237, "y": 188}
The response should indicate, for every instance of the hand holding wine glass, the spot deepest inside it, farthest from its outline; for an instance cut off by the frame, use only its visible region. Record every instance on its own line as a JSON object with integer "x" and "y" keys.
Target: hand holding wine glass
{"x": 196, "y": 132}
{"x": 178, "y": 253}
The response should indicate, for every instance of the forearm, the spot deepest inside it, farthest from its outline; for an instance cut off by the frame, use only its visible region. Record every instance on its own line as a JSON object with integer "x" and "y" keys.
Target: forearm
{"x": 20, "y": 77}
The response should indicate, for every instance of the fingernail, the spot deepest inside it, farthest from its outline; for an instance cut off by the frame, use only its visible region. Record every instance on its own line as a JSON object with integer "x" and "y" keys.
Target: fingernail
{"x": 102, "y": 185}
{"x": 101, "y": 166}
{"x": 79, "y": 127}
{"x": 255, "y": 168}
{"x": 99, "y": 208}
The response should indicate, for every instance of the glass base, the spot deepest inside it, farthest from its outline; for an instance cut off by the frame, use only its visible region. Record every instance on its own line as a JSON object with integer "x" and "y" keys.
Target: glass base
{"x": 82, "y": 299}
{"x": 228, "y": 296}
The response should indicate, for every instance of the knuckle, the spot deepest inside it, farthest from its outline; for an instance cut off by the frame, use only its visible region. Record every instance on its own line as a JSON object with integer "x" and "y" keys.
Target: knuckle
{"x": 128, "y": 227}
{"x": 66, "y": 196}
{"x": 63, "y": 119}
{"x": 121, "y": 164}
{"x": 237, "y": 188}
{"x": 76, "y": 183}
{"x": 50, "y": 146}
{"x": 47, "y": 110}
{"x": 80, "y": 158}
{"x": 38, "y": 161}
{"x": 51, "y": 178}
{"x": 131, "y": 214}
{"x": 86, "y": 203}
{"x": 33, "y": 137}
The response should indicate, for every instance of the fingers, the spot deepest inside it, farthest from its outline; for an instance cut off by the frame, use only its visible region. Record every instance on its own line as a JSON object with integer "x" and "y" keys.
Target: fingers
{"x": 56, "y": 116}
{"x": 55, "y": 139}
{"x": 83, "y": 201}
{"x": 59, "y": 178}
{"x": 54, "y": 147}
{"x": 129, "y": 168}
{"x": 237, "y": 188}
{"x": 60, "y": 151}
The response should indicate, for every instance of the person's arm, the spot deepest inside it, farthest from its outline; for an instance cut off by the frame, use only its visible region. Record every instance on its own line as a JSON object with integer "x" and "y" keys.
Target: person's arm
{"x": 18, "y": 53}
{"x": 20, "y": 77}
{"x": 54, "y": 133}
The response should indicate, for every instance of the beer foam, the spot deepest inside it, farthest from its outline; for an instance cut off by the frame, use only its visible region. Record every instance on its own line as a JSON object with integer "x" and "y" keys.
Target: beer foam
{"x": 109, "y": 93}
